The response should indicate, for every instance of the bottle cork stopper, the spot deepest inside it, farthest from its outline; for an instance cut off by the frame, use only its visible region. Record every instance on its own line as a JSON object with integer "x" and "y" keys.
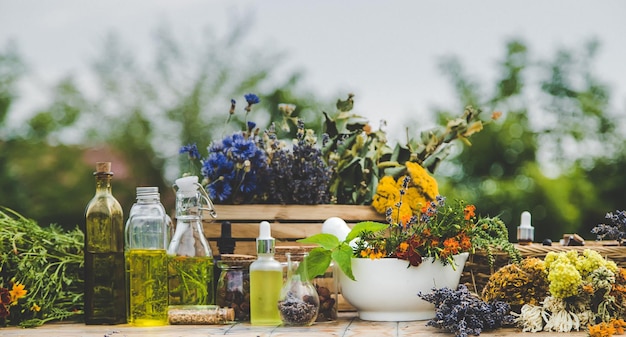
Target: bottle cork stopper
{"x": 103, "y": 166}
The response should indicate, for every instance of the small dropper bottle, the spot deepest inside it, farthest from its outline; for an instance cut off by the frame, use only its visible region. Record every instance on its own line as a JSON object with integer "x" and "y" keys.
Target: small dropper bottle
{"x": 266, "y": 280}
{"x": 525, "y": 232}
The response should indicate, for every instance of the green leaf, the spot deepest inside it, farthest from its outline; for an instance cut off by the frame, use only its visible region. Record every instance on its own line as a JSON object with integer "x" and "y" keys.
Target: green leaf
{"x": 327, "y": 241}
{"x": 365, "y": 226}
{"x": 317, "y": 262}
{"x": 345, "y": 105}
{"x": 343, "y": 258}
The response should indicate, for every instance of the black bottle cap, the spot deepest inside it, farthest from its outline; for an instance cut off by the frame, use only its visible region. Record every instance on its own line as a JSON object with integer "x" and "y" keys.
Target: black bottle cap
{"x": 225, "y": 243}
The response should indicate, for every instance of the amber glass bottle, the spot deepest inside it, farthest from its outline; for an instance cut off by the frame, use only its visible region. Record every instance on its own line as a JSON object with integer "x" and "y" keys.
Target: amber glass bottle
{"x": 105, "y": 286}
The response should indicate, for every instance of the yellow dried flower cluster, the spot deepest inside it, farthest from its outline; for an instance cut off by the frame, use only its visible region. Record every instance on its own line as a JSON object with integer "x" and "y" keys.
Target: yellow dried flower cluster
{"x": 422, "y": 189}
{"x": 518, "y": 284}
{"x": 585, "y": 289}
{"x": 569, "y": 271}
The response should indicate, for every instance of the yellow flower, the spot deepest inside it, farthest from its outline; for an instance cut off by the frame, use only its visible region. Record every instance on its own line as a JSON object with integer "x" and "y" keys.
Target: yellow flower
{"x": 422, "y": 181}
{"x": 387, "y": 194}
{"x": 17, "y": 292}
{"x": 421, "y": 190}
{"x": 35, "y": 308}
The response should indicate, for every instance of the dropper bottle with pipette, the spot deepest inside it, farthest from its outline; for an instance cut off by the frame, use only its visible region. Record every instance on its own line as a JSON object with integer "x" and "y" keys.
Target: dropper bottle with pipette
{"x": 266, "y": 280}
{"x": 525, "y": 231}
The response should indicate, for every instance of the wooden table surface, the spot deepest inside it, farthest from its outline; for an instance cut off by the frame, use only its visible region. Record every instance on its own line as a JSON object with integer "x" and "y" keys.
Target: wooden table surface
{"x": 348, "y": 324}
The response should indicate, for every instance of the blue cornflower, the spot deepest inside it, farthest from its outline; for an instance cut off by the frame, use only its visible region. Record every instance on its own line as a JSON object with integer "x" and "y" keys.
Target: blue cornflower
{"x": 219, "y": 190}
{"x": 252, "y": 99}
{"x": 216, "y": 165}
{"x": 251, "y": 125}
{"x": 191, "y": 150}
{"x": 240, "y": 148}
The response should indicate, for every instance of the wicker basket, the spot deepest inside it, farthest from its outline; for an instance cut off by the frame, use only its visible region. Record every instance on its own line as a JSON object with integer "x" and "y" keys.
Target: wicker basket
{"x": 477, "y": 270}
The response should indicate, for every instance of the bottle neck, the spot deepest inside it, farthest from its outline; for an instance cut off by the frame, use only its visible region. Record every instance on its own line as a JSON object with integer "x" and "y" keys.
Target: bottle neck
{"x": 148, "y": 199}
{"x": 103, "y": 182}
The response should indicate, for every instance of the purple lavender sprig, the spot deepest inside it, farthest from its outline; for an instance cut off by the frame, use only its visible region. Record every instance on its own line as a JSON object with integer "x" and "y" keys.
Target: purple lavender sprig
{"x": 616, "y": 230}
{"x": 462, "y": 313}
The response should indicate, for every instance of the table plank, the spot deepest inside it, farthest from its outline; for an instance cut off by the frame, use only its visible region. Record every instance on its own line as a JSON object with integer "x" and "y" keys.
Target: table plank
{"x": 348, "y": 325}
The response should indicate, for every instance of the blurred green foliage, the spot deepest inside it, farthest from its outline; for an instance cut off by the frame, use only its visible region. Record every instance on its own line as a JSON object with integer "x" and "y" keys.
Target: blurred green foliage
{"x": 558, "y": 150}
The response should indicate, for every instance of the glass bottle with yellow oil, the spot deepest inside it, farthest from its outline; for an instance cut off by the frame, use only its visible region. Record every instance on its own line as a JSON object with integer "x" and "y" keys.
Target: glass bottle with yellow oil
{"x": 266, "y": 280}
{"x": 147, "y": 234}
{"x": 191, "y": 264}
{"x": 105, "y": 286}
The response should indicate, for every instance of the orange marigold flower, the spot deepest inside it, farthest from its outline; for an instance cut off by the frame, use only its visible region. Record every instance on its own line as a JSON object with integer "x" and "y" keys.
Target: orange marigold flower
{"x": 17, "y": 292}
{"x": 496, "y": 115}
{"x": 373, "y": 253}
{"x": 619, "y": 325}
{"x": 465, "y": 242}
{"x": 403, "y": 247}
{"x": 367, "y": 129}
{"x": 434, "y": 242}
{"x": 601, "y": 330}
{"x": 588, "y": 288}
{"x": 451, "y": 243}
{"x": 406, "y": 218}
{"x": 469, "y": 212}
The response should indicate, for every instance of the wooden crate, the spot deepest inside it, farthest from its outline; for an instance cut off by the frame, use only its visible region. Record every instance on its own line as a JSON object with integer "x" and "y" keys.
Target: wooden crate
{"x": 289, "y": 222}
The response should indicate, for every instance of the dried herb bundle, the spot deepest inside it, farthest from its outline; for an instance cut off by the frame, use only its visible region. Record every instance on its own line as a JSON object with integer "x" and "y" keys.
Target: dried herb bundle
{"x": 464, "y": 314}
{"x": 48, "y": 262}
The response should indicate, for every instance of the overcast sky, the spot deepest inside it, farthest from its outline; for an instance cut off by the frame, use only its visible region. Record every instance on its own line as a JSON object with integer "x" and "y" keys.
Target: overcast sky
{"x": 386, "y": 52}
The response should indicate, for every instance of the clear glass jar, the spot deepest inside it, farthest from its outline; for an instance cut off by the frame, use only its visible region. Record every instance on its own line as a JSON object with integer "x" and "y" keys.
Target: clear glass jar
{"x": 326, "y": 285}
{"x": 233, "y": 285}
{"x": 298, "y": 303}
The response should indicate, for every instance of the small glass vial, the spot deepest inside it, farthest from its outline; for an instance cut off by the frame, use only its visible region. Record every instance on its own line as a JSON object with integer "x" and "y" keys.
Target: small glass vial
{"x": 233, "y": 285}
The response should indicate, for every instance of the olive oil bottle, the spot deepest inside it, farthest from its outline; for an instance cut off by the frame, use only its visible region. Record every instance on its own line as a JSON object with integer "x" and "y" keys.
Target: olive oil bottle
{"x": 105, "y": 286}
{"x": 147, "y": 270}
{"x": 147, "y": 232}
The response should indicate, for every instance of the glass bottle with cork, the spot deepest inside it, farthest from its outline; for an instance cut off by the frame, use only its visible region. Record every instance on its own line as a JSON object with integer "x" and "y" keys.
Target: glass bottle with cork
{"x": 146, "y": 259}
{"x": 105, "y": 294}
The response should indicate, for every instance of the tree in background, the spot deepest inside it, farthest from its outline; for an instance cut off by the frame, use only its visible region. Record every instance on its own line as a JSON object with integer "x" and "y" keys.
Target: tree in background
{"x": 555, "y": 153}
{"x": 137, "y": 117}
